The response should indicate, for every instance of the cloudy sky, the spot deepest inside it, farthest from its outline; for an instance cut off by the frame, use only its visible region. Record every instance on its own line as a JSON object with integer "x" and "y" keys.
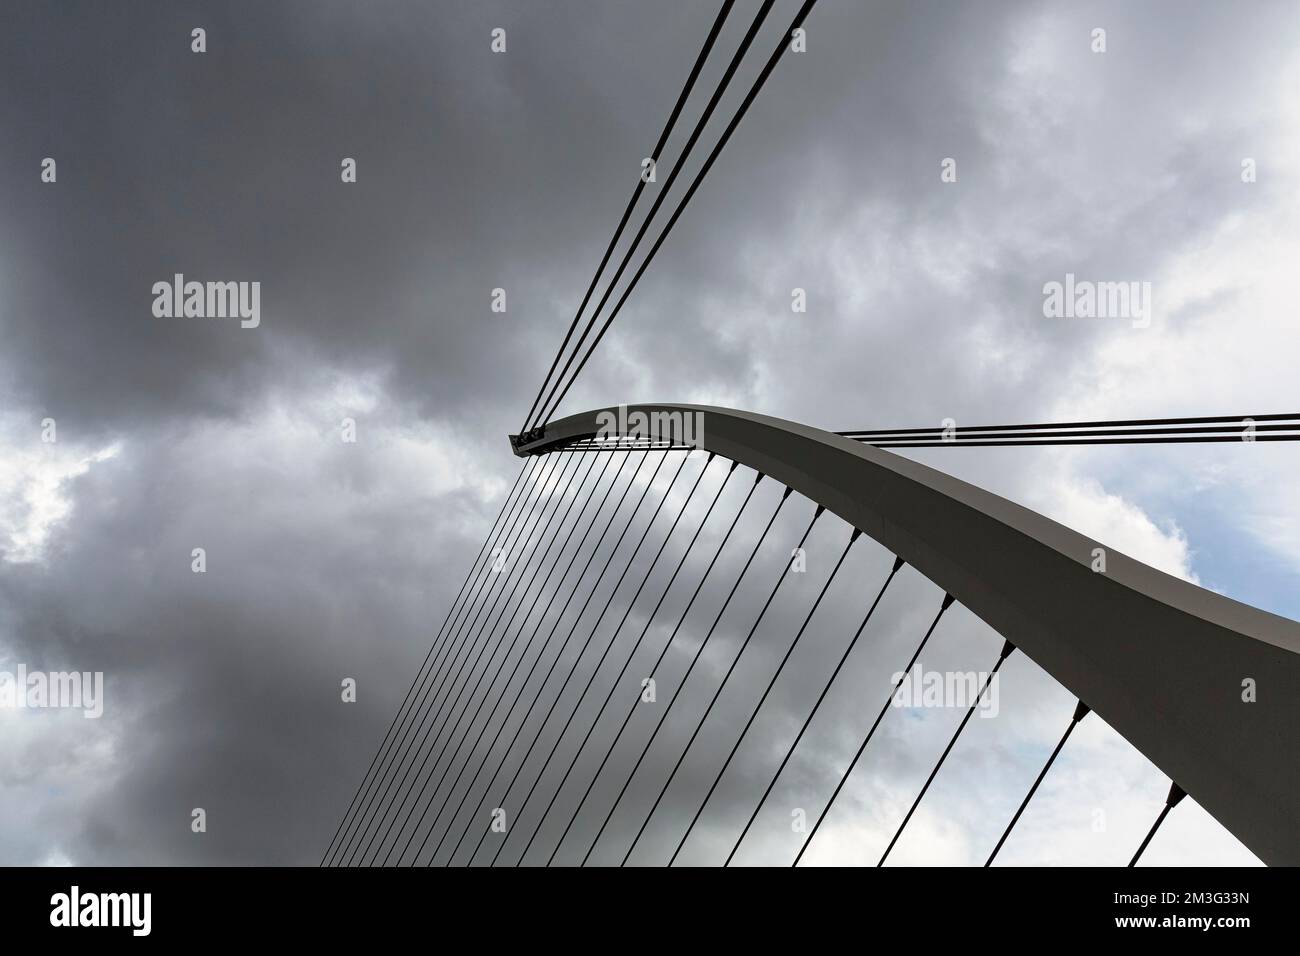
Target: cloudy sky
{"x": 479, "y": 170}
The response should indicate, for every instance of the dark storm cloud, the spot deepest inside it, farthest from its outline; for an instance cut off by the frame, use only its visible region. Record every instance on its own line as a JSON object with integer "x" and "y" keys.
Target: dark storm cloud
{"x": 475, "y": 172}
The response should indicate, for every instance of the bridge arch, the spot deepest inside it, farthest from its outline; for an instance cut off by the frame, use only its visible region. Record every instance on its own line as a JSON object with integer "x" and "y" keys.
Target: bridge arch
{"x": 1158, "y": 658}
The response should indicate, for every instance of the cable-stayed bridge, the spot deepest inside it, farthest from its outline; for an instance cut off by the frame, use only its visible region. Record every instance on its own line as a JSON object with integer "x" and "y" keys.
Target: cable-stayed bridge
{"x": 497, "y": 741}
{"x": 654, "y": 585}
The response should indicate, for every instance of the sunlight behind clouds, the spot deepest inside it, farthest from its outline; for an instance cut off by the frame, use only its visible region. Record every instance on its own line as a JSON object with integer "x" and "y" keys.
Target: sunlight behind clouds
{"x": 34, "y": 490}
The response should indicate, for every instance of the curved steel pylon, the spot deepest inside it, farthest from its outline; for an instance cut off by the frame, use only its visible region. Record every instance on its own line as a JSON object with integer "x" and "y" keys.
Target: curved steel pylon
{"x": 1161, "y": 660}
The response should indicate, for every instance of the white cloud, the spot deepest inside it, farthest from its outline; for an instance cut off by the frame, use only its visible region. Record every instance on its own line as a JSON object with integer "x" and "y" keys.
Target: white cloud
{"x": 34, "y": 487}
{"x": 1081, "y": 503}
